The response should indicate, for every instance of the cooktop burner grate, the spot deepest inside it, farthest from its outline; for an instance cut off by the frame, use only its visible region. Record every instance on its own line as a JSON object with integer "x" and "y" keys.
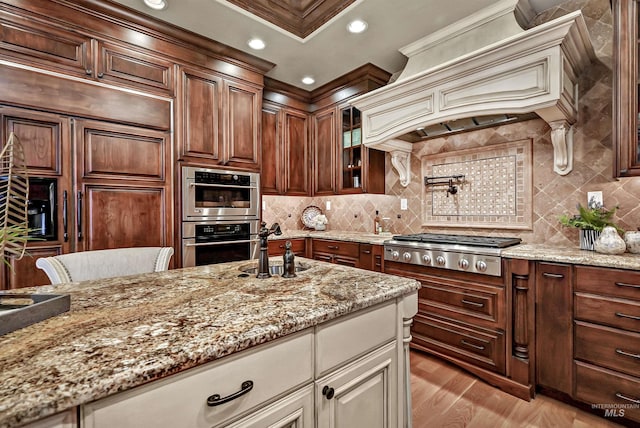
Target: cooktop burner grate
{"x": 475, "y": 241}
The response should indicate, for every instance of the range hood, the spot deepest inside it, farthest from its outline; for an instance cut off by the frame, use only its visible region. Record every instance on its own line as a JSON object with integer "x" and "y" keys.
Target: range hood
{"x": 486, "y": 65}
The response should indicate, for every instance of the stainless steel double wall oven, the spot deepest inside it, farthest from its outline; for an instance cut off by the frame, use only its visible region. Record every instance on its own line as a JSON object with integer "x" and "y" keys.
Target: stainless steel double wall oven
{"x": 220, "y": 215}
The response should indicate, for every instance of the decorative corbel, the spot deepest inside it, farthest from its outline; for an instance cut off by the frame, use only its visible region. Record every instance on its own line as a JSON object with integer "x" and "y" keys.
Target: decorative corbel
{"x": 400, "y": 158}
{"x": 562, "y": 140}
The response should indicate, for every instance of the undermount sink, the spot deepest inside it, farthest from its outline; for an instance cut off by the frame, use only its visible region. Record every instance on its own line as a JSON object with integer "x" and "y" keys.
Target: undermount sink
{"x": 273, "y": 269}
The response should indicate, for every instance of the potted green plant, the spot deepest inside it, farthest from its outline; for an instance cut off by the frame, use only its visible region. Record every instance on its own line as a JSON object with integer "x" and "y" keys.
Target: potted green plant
{"x": 14, "y": 196}
{"x": 590, "y": 220}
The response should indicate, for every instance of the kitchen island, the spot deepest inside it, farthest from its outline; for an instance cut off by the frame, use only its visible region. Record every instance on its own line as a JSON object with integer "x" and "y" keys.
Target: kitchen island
{"x": 145, "y": 330}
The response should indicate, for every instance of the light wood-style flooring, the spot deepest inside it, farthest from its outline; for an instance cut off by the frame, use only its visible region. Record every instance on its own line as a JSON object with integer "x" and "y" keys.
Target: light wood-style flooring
{"x": 446, "y": 396}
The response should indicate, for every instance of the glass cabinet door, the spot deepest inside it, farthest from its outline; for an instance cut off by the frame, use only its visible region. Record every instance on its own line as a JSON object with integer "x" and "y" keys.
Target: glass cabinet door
{"x": 351, "y": 149}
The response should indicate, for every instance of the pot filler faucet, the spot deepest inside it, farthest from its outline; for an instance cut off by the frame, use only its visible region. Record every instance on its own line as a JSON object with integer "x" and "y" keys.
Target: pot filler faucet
{"x": 263, "y": 261}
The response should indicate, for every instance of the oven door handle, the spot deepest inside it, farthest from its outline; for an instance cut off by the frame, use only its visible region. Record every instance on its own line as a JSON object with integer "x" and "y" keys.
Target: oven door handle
{"x": 208, "y": 244}
{"x": 222, "y": 185}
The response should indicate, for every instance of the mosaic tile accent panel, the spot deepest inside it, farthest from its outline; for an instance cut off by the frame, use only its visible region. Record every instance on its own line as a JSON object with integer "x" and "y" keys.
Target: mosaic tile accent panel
{"x": 495, "y": 190}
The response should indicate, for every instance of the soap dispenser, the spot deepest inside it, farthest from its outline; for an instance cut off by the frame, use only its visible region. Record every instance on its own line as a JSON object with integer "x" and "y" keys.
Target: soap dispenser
{"x": 288, "y": 262}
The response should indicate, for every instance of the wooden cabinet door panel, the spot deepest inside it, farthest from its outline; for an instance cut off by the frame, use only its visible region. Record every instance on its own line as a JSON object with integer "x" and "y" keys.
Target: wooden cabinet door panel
{"x": 122, "y": 65}
{"x": 116, "y": 216}
{"x": 554, "y": 326}
{"x": 44, "y": 136}
{"x": 324, "y": 163}
{"x": 200, "y": 103}
{"x": 296, "y": 153}
{"x": 120, "y": 152}
{"x": 38, "y": 43}
{"x": 24, "y": 273}
{"x": 242, "y": 104}
{"x": 270, "y": 171}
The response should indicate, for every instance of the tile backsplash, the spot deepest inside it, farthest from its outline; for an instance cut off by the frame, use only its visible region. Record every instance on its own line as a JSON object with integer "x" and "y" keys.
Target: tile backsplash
{"x": 551, "y": 194}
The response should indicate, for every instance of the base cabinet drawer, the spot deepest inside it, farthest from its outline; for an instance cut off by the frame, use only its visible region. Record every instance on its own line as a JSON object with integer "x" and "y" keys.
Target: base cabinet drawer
{"x": 485, "y": 348}
{"x": 608, "y": 347}
{"x": 620, "y": 313}
{"x": 181, "y": 400}
{"x": 617, "y": 395}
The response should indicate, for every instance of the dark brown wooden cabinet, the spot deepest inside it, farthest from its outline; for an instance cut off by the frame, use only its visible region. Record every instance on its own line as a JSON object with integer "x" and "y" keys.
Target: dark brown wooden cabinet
{"x": 554, "y": 326}
{"x": 371, "y": 257}
{"x": 324, "y": 143}
{"x": 276, "y": 247}
{"x": 338, "y": 252}
{"x": 111, "y": 200}
{"x": 219, "y": 120}
{"x": 285, "y": 151}
{"x": 625, "y": 88}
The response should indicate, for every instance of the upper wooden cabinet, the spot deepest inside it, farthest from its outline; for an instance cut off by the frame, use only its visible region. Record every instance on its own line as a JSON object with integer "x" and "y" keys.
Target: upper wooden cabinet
{"x": 285, "y": 151}
{"x": 55, "y": 48}
{"x": 625, "y": 88}
{"x": 218, "y": 120}
{"x": 325, "y": 135}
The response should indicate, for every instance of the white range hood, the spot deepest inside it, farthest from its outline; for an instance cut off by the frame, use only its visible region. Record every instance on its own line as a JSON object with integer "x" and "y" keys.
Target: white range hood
{"x": 483, "y": 65}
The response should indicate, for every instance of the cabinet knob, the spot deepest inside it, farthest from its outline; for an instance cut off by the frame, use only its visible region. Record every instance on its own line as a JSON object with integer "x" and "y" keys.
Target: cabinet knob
{"x": 328, "y": 392}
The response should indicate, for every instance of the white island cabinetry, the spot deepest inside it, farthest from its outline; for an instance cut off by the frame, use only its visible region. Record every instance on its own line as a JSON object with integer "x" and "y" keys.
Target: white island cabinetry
{"x": 323, "y": 376}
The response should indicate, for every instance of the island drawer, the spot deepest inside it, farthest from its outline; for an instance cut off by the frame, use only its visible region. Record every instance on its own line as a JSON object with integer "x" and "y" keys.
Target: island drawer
{"x": 621, "y": 313}
{"x": 611, "y": 282}
{"x": 608, "y": 347}
{"x": 180, "y": 400}
{"x": 482, "y": 347}
{"x": 345, "y": 339}
{"x": 614, "y": 391}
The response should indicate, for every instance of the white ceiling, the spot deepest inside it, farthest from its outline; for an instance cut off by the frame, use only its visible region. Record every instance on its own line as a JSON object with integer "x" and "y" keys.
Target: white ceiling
{"x": 330, "y": 51}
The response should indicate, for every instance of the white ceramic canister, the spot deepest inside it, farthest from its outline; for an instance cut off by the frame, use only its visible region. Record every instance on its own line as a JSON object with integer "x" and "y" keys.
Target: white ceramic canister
{"x": 632, "y": 239}
{"x": 609, "y": 242}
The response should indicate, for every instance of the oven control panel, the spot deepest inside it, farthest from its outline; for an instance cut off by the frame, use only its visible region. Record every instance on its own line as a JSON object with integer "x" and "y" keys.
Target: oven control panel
{"x": 453, "y": 260}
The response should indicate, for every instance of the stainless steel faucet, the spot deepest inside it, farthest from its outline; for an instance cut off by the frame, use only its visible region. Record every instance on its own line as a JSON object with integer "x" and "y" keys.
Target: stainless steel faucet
{"x": 263, "y": 260}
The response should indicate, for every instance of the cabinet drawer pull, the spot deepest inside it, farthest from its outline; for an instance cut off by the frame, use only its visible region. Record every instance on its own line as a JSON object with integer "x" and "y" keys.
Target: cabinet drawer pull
{"x": 628, "y": 354}
{"x": 366, "y": 251}
{"x": 469, "y": 302}
{"x": 627, "y": 398}
{"x": 552, "y": 275}
{"x": 216, "y": 400}
{"x": 622, "y": 284}
{"x": 328, "y": 392}
{"x": 333, "y": 247}
{"x": 633, "y": 317}
{"x": 478, "y": 347}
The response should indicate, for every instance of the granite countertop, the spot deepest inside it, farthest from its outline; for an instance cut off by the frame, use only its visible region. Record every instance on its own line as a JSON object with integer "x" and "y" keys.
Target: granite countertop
{"x": 126, "y": 331}
{"x": 338, "y": 235}
{"x": 541, "y": 252}
{"x": 572, "y": 255}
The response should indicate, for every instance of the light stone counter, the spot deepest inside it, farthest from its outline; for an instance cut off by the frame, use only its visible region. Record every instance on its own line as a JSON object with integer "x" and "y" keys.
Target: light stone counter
{"x": 572, "y": 255}
{"x": 338, "y": 235}
{"x": 127, "y": 331}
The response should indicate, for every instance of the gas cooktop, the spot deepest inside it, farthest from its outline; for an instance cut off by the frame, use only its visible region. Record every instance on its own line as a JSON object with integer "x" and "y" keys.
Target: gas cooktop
{"x": 474, "y": 241}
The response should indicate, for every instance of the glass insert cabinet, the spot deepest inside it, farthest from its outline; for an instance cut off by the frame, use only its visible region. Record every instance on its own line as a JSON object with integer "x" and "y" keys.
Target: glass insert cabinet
{"x": 625, "y": 131}
{"x": 351, "y": 148}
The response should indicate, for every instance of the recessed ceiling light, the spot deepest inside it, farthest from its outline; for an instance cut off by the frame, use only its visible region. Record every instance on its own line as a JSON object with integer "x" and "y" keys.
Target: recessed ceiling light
{"x": 357, "y": 26}
{"x": 308, "y": 80}
{"x": 156, "y": 4}
{"x": 256, "y": 44}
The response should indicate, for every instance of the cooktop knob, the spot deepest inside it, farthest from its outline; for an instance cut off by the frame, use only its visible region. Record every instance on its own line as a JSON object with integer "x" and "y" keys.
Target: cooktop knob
{"x": 406, "y": 257}
{"x": 426, "y": 259}
{"x": 481, "y": 265}
{"x": 463, "y": 264}
{"x": 395, "y": 255}
{"x": 440, "y": 261}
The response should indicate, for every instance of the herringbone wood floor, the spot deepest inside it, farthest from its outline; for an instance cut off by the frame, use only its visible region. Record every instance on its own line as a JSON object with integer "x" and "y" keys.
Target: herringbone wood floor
{"x": 446, "y": 396}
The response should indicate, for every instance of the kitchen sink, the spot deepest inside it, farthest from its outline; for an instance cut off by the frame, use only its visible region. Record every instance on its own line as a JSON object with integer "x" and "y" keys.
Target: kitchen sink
{"x": 273, "y": 269}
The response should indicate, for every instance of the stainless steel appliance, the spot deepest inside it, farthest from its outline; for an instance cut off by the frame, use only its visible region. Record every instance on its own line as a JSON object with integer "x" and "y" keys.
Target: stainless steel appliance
{"x": 212, "y": 194}
{"x": 206, "y": 243}
{"x": 41, "y": 208}
{"x": 220, "y": 216}
{"x": 475, "y": 254}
